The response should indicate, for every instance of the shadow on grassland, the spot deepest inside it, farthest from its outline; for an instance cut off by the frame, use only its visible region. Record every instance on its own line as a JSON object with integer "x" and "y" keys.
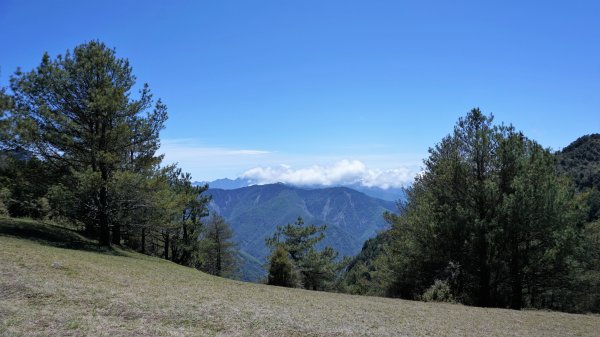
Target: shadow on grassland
{"x": 50, "y": 234}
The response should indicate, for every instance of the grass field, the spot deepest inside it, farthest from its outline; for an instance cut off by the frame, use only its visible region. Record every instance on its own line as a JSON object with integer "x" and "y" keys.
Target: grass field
{"x": 55, "y": 283}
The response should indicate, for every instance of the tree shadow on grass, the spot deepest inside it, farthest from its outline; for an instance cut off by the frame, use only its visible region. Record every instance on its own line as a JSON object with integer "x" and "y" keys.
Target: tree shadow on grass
{"x": 51, "y": 235}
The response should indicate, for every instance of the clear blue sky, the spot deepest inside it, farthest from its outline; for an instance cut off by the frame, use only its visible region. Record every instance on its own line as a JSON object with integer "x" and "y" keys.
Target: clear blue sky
{"x": 262, "y": 83}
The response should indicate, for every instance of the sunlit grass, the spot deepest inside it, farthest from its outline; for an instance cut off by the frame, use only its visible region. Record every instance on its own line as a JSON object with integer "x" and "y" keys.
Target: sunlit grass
{"x": 46, "y": 289}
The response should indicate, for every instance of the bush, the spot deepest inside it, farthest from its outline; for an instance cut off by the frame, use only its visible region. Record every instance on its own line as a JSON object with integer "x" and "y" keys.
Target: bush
{"x": 439, "y": 292}
{"x": 42, "y": 208}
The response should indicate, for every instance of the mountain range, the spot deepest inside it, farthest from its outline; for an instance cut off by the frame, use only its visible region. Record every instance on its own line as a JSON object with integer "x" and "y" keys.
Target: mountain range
{"x": 254, "y": 212}
{"x": 389, "y": 194}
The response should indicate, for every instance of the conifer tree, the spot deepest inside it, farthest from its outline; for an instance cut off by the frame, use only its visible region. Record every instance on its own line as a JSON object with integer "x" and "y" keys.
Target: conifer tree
{"x": 76, "y": 111}
{"x": 281, "y": 269}
{"x": 490, "y": 216}
{"x": 317, "y": 269}
{"x": 220, "y": 256}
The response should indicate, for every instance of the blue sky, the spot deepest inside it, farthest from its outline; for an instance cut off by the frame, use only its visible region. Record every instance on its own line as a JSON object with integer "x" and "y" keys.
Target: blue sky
{"x": 332, "y": 90}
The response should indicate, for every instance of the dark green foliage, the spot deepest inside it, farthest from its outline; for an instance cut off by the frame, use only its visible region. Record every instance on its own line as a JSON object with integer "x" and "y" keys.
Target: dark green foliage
{"x": 185, "y": 245}
{"x": 587, "y": 281}
{"x": 363, "y": 274}
{"x": 581, "y": 161}
{"x": 281, "y": 269}
{"x": 76, "y": 112}
{"x": 161, "y": 213}
{"x": 77, "y": 148}
{"x": 317, "y": 269}
{"x": 6, "y": 105}
{"x": 491, "y": 218}
{"x": 297, "y": 239}
{"x": 219, "y": 253}
{"x": 25, "y": 181}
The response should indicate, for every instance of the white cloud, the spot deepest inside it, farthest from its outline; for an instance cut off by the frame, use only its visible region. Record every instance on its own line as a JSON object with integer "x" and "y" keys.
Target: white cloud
{"x": 203, "y": 160}
{"x": 207, "y": 163}
{"x": 340, "y": 173}
{"x": 185, "y": 148}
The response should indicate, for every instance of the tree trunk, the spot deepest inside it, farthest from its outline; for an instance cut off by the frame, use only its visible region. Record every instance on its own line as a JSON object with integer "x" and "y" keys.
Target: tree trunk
{"x": 104, "y": 238}
{"x": 143, "y": 240}
{"x": 218, "y": 248}
{"x": 484, "y": 274}
{"x": 166, "y": 236}
{"x": 174, "y": 249}
{"x": 516, "y": 301}
{"x": 116, "y": 235}
{"x": 219, "y": 266}
{"x": 103, "y": 201}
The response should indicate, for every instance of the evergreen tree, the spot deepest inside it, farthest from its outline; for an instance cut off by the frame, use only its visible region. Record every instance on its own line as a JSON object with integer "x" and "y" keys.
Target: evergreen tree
{"x": 76, "y": 111}
{"x": 281, "y": 269}
{"x": 317, "y": 269}
{"x": 489, "y": 216}
{"x": 220, "y": 254}
{"x": 187, "y": 225}
{"x": 6, "y": 103}
{"x": 296, "y": 238}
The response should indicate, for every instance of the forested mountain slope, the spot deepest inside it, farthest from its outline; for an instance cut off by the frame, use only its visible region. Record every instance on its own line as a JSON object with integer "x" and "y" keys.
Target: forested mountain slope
{"x": 254, "y": 212}
{"x": 581, "y": 161}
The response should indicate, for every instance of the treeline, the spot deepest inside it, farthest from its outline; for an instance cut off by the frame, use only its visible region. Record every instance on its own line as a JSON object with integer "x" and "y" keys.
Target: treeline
{"x": 491, "y": 221}
{"x": 77, "y": 148}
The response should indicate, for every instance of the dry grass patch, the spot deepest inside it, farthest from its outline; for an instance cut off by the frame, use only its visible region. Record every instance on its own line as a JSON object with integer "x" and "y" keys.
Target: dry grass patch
{"x": 121, "y": 293}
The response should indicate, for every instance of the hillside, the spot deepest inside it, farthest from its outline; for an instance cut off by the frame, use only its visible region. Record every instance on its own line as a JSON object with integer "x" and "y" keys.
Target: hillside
{"x": 581, "y": 160}
{"x": 69, "y": 288}
{"x": 254, "y": 212}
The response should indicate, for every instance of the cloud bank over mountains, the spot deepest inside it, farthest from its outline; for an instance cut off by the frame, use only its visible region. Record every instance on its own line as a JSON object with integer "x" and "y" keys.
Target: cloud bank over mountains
{"x": 344, "y": 172}
{"x": 208, "y": 163}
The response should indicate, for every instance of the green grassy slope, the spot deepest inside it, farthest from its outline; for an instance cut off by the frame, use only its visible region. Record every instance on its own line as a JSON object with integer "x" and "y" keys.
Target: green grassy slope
{"x": 49, "y": 287}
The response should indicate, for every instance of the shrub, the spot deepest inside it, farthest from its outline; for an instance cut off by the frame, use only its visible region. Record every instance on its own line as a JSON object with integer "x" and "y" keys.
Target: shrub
{"x": 439, "y": 292}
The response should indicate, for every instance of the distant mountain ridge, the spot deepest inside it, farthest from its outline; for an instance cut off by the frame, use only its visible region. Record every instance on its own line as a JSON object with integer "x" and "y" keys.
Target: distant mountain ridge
{"x": 226, "y": 183}
{"x": 255, "y": 211}
{"x": 389, "y": 194}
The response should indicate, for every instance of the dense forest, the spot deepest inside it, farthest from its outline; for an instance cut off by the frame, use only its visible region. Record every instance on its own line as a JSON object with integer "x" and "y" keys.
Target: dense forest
{"x": 494, "y": 219}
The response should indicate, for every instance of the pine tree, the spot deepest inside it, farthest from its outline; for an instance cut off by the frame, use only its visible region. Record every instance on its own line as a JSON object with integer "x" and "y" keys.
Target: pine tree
{"x": 317, "y": 270}
{"x": 76, "y": 111}
{"x": 220, "y": 256}
{"x": 5, "y": 121}
{"x": 490, "y": 216}
{"x": 281, "y": 269}
{"x": 296, "y": 238}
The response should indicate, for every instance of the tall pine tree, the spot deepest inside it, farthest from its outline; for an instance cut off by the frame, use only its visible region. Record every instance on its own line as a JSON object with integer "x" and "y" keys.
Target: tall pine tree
{"x": 76, "y": 111}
